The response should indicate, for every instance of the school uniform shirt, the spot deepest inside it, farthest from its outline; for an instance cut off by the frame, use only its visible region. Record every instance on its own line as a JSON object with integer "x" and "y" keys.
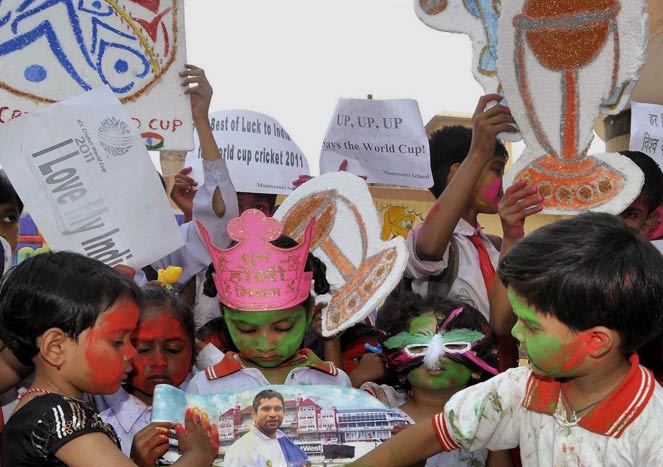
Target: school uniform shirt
{"x": 129, "y": 415}
{"x": 469, "y": 283}
{"x": 126, "y": 413}
{"x": 255, "y": 449}
{"x": 193, "y": 257}
{"x": 231, "y": 375}
{"x": 519, "y": 407}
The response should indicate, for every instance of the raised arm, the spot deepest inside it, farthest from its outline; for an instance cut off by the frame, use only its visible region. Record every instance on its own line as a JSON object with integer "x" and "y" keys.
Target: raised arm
{"x": 519, "y": 201}
{"x": 441, "y": 220}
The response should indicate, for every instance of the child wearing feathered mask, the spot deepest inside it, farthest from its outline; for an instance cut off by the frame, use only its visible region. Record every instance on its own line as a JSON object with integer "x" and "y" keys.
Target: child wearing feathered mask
{"x": 436, "y": 348}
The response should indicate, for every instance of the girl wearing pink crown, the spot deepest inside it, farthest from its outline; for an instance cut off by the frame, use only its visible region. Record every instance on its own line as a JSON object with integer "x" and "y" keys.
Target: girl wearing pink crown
{"x": 264, "y": 287}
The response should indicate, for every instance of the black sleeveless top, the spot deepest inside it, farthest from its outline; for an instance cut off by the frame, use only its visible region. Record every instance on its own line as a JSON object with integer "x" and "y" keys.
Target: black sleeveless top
{"x": 46, "y": 423}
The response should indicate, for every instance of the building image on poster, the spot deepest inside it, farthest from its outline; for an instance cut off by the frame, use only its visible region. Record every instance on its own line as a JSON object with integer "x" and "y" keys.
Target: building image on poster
{"x": 312, "y": 425}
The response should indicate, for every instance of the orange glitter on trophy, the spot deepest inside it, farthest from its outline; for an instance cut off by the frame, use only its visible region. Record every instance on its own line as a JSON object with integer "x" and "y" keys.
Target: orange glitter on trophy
{"x": 580, "y": 41}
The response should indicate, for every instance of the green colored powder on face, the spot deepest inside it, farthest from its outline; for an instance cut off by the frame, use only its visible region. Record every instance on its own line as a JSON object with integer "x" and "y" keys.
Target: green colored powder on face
{"x": 548, "y": 354}
{"x": 451, "y": 374}
{"x": 267, "y": 338}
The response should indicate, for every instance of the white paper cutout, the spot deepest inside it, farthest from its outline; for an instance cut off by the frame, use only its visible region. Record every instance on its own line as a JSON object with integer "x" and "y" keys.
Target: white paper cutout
{"x": 361, "y": 268}
{"x": 560, "y": 63}
{"x": 51, "y": 51}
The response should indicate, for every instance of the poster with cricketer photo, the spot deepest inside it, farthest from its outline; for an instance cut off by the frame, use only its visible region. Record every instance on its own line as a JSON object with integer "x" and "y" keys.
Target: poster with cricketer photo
{"x": 296, "y": 426}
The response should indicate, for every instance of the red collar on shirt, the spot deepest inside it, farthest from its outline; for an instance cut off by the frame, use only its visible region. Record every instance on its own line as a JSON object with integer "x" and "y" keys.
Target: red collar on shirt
{"x": 231, "y": 363}
{"x": 613, "y": 414}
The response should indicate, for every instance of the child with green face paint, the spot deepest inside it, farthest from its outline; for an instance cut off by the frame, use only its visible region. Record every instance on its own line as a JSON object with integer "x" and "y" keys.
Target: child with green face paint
{"x": 263, "y": 283}
{"x": 436, "y": 348}
{"x": 587, "y": 293}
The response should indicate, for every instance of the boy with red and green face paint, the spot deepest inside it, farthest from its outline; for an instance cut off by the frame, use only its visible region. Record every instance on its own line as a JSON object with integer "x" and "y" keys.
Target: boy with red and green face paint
{"x": 264, "y": 284}
{"x": 587, "y": 293}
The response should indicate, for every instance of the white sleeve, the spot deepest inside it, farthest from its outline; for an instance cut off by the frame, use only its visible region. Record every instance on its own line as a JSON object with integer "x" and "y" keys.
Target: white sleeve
{"x": 418, "y": 268}
{"x": 486, "y": 415}
{"x": 193, "y": 256}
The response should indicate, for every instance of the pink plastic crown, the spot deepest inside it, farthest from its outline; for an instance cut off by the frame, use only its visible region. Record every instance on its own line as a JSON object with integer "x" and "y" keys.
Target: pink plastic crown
{"x": 254, "y": 275}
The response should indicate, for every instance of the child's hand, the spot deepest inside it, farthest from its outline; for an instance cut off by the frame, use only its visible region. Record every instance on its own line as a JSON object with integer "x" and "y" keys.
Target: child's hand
{"x": 518, "y": 202}
{"x": 201, "y": 93}
{"x": 487, "y": 124}
{"x": 198, "y": 436}
{"x": 150, "y": 443}
{"x": 183, "y": 192}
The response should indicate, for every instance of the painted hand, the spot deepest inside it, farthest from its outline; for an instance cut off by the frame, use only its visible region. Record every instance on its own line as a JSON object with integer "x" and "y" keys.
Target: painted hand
{"x": 519, "y": 201}
{"x": 150, "y": 443}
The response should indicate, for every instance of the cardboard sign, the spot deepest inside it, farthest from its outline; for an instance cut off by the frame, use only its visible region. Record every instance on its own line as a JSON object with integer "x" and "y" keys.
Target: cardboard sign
{"x": 384, "y": 140}
{"x": 647, "y": 130}
{"x": 560, "y": 65}
{"x": 260, "y": 155}
{"x": 322, "y": 425}
{"x": 362, "y": 269}
{"x": 83, "y": 172}
{"x": 52, "y": 51}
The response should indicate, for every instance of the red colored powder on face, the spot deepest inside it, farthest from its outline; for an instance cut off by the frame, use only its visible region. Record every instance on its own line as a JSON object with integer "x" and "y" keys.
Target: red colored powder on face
{"x": 165, "y": 352}
{"x": 108, "y": 350}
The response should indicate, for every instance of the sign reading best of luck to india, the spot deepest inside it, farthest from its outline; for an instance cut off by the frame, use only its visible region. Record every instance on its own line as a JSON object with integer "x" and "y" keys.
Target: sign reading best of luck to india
{"x": 260, "y": 155}
{"x": 384, "y": 140}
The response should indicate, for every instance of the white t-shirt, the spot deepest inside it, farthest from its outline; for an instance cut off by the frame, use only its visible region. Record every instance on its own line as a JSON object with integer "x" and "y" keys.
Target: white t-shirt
{"x": 519, "y": 407}
{"x": 193, "y": 257}
{"x": 469, "y": 283}
{"x": 458, "y": 458}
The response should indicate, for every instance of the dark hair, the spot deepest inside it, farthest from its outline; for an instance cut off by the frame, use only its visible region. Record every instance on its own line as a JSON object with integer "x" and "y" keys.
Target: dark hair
{"x": 448, "y": 146}
{"x": 320, "y": 284}
{"x": 590, "y": 270}
{"x": 398, "y": 317}
{"x": 217, "y": 327}
{"x": 653, "y": 186}
{"x": 266, "y": 394}
{"x": 359, "y": 331}
{"x": 157, "y": 295}
{"x": 269, "y": 197}
{"x": 7, "y": 191}
{"x": 62, "y": 290}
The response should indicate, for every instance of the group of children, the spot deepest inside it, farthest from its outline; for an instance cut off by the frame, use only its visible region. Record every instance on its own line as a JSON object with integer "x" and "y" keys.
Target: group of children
{"x": 580, "y": 296}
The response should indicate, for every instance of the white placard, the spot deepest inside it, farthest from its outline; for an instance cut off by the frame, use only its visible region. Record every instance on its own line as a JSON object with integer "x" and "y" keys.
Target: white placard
{"x": 647, "y": 130}
{"x": 56, "y": 50}
{"x": 384, "y": 140}
{"x": 83, "y": 172}
{"x": 260, "y": 155}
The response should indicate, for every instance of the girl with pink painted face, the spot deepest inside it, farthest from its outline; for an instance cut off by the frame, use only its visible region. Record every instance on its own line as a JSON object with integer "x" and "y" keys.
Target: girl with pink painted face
{"x": 263, "y": 283}
{"x": 72, "y": 318}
